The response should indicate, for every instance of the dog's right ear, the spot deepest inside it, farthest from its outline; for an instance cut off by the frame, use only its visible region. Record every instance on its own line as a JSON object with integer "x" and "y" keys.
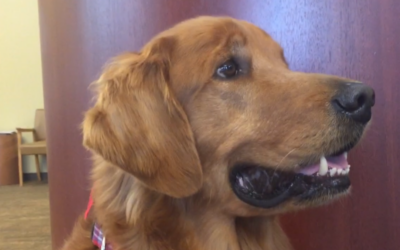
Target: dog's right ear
{"x": 138, "y": 125}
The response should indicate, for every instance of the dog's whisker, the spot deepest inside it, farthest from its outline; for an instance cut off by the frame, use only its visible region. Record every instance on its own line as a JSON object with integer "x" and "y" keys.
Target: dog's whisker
{"x": 283, "y": 158}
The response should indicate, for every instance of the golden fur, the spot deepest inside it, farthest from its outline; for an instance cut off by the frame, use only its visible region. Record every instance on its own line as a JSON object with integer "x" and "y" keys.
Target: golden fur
{"x": 164, "y": 133}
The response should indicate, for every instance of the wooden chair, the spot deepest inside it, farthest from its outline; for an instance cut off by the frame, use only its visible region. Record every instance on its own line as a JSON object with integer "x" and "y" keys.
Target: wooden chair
{"x": 37, "y": 147}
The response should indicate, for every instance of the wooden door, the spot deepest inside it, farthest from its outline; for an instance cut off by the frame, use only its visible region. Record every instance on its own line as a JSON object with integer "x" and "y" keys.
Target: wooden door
{"x": 357, "y": 39}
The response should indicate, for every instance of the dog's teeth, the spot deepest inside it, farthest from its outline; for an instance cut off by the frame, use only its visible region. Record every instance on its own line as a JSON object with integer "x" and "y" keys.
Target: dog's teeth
{"x": 346, "y": 171}
{"x": 323, "y": 166}
{"x": 348, "y": 166}
{"x": 332, "y": 172}
{"x": 345, "y": 155}
{"x": 339, "y": 171}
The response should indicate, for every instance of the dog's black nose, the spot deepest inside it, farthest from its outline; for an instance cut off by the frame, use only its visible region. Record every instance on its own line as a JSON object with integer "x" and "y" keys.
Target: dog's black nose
{"x": 355, "y": 100}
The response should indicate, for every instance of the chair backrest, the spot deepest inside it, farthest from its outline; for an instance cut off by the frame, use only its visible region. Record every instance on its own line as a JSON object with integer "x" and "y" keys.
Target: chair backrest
{"x": 40, "y": 125}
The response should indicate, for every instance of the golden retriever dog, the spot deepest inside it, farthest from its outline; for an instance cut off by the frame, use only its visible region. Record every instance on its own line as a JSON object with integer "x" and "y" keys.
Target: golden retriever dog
{"x": 204, "y": 137}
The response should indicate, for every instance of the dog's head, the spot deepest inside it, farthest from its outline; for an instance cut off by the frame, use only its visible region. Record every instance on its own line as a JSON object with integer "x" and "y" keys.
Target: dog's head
{"x": 209, "y": 109}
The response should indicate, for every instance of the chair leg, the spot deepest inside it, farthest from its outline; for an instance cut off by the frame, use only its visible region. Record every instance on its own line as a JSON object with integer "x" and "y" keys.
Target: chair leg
{"x": 21, "y": 177}
{"x": 38, "y": 167}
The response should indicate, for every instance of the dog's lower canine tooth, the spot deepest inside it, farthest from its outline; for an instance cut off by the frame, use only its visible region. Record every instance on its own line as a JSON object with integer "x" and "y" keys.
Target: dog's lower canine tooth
{"x": 323, "y": 166}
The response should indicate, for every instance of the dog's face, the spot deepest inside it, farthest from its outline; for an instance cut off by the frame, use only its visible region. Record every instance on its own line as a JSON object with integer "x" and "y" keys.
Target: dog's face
{"x": 209, "y": 109}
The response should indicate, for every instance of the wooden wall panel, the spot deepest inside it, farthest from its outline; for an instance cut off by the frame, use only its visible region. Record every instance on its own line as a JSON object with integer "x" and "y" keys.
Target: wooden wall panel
{"x": 357, "y": 39}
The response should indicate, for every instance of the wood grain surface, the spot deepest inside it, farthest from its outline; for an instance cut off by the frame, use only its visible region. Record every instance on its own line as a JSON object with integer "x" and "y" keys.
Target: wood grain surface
{"x": 8, "y": 159}
{"x": 358, "y": 39}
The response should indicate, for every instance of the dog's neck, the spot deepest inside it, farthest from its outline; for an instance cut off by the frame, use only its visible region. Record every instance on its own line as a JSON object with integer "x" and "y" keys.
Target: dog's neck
{"x": 219, "y": 231}
{"x": 157, "y": 222}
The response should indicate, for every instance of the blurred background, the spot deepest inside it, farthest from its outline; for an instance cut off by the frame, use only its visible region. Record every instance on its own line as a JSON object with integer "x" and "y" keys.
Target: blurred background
{"x": 51, "y": 50}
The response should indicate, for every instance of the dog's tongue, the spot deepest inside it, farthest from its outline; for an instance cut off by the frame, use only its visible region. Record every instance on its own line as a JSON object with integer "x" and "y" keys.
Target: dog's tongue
{"x": 337, "y": 162}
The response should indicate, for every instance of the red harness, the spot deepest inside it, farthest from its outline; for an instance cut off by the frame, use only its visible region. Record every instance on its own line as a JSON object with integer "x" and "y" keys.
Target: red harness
{"x": 98, "y": 238}
{"x": 89, "y": 206}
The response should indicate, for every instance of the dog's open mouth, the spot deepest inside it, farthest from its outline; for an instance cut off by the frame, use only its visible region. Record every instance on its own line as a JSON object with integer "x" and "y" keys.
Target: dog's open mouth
{"x": 267, "y": 187}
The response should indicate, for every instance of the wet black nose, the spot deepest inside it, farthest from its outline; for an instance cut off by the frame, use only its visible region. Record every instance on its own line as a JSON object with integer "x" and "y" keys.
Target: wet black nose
{"x": 355, "y": 101}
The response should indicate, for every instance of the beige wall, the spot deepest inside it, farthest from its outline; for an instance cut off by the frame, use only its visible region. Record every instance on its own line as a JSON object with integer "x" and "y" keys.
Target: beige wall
{"x": 21, "y": 90}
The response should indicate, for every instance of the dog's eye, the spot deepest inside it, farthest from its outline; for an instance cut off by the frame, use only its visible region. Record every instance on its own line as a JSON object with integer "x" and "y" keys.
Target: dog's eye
{"x": 228, "y": 70}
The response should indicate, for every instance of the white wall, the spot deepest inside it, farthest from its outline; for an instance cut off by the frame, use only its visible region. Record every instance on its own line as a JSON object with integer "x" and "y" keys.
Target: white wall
{"x": 21, "y": 88}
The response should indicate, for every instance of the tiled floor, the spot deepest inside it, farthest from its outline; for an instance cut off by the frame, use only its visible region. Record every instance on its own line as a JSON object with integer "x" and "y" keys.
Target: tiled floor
{"x": 24, "y": 217}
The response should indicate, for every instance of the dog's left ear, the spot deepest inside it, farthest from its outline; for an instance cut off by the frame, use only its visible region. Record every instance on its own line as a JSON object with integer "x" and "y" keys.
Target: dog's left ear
{"x": 138, "y": 125}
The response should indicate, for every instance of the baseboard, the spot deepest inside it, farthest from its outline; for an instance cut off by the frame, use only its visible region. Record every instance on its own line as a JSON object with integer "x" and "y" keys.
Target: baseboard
{"x": 33, "y": 177}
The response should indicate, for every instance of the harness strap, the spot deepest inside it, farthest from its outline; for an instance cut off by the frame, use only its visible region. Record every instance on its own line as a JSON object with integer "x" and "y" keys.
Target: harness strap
{"x": 89, "y": 206}
{"x": 98, "y": 238}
